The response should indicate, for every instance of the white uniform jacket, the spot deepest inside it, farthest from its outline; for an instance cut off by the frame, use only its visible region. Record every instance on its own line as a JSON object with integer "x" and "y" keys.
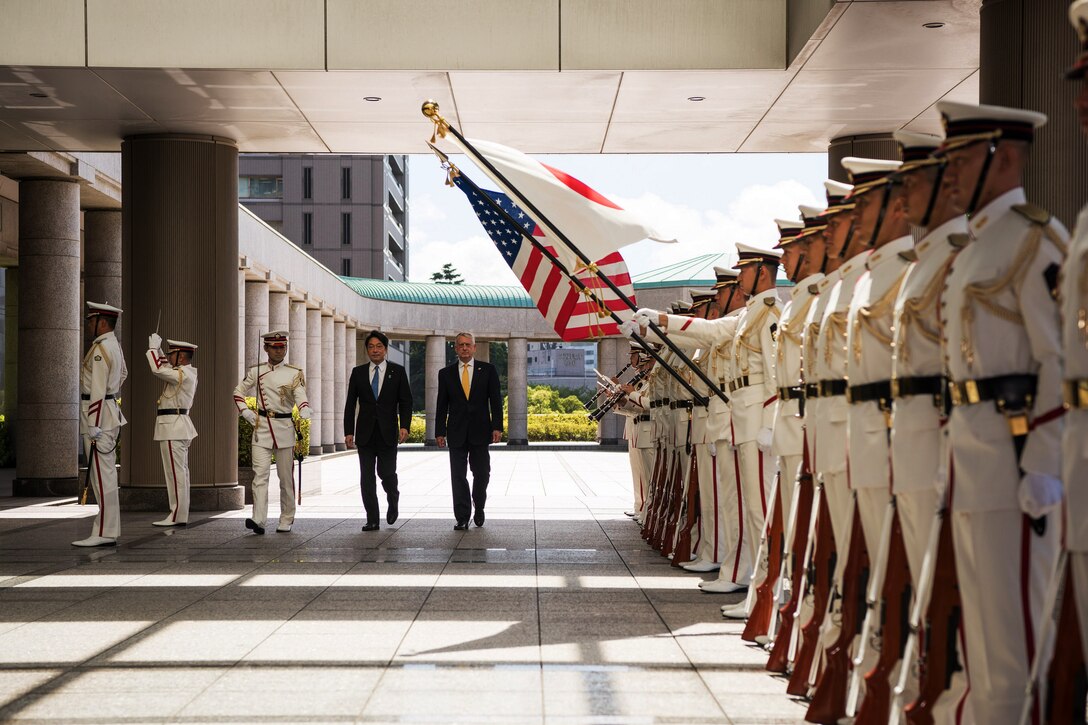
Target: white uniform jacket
{"x": 1074, "y": 299}
{"x": 753, "y": 362}
{"x": 788, "y": 431}
{"x": 100, "y": 379}
{"x": 277, "y": 389}
{"x": 178, "y": 392}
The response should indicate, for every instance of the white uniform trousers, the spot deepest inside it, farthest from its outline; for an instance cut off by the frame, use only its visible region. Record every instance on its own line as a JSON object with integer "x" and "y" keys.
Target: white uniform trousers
{"x": 1075, "y": 475}
{"x": 1003, "y": 569}
{"x": 872, "y": 507}
{"x": 638, "y": 479}
{"x": 757, "y": 471}
{"x": 917, "y": 514}
{"x": 712, "y": 533}
{"x": 175, "y": 465}
{"x": 103, "y": 471}
{"x": 736, "y": 557}
{"x": 262, "y": 462}
{"x": 1078, "y": 565}
{"x": 790, "y": 469}
{"x": 649, "y": 458}
{"x": 840, "y": 505}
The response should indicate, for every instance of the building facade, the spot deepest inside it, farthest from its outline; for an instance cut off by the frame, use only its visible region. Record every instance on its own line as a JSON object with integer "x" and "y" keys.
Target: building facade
{"x": 349, "y": 211}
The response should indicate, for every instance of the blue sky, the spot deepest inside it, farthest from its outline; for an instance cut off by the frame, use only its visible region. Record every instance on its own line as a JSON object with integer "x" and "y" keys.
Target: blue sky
{"x": 706, "y": 201}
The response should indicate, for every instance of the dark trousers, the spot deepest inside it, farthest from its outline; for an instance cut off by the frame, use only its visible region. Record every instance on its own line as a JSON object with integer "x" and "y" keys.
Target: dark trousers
{"x": 478, "y": 458}
{"x": 377, "y": 454}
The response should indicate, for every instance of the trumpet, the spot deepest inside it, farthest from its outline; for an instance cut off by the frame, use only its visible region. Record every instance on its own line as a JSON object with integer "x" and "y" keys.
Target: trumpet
{"x": 615, "y": 395}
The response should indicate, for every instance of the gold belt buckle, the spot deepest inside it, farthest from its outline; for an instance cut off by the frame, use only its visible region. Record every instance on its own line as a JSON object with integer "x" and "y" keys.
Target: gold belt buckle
{"x": 1082, "y": 394}
{"x": 895, "y": 387}
{"x": 970, "y": 388}
{"x": 954, "y": 391}
{"x": 1018, "y": 423}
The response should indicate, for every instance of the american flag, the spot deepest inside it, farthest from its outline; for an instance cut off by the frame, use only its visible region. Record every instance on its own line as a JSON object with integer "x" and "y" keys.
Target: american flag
{"x": 571, "y": 312}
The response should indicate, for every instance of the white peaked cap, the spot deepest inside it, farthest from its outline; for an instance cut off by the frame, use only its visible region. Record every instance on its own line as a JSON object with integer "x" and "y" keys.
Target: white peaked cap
{"x": 956, "y": 112}
{"x": 857, "y": 166}
{"x": 102, "y": 308}
{"x": 789, "y": 225}
{"x": 911, "y": 140}
{"x": 811, "y": 212}
{"x": 180, "y": 345}
{"x": 837, "y": 188}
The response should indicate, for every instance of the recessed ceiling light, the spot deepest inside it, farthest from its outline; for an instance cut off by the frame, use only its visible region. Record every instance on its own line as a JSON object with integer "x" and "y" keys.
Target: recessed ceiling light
{"x": 39, "y": 95}
{"x": 696, "y": 99}
{"x": 933, "y": 25}
{"x": 372, "y": 99}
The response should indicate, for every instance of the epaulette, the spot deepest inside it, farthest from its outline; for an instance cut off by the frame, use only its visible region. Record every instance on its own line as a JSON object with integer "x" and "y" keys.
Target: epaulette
{"x": 770, "y": 301}
{"x": 293, "y": 367}
{"x": 1033, "y": 213}
{"x": 959, "y": 241}
{"x": 909, "y": 256}
{"x": 814, "y": 289}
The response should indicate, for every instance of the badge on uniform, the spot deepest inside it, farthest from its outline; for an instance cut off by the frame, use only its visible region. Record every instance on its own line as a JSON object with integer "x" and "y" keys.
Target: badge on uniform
{"x": 98, "y": 358}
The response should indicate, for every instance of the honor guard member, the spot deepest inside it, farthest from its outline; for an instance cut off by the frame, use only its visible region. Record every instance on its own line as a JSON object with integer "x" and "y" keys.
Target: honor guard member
{"x": 630, "y": 412}
{"x": 753, "y": 395}
{"x": 278, "y": 387}
{"x": 1074, "y": 301}
{"x": 1003, "y": 339}
{"x": 100, "y": 378}
{"x": 642, "y": 427}
{"x": 173, "y": 428}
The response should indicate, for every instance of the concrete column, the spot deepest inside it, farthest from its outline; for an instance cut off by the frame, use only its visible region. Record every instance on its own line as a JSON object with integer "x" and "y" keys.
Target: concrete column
{"x": 11, "y": 341}
{"x": 313, "y": 377}
{"x": 50, "y": 342}
{"x": 102, "y": 259}
{"x": 340, "y": 381}
{"x": 517, "y": 390}
{"x": 360, "y": 348}
{"x": 180, "y": 255}
{"x": 434, "y": 359}
{"x": 1025, "y": 49}
{"x": 328, "y": 386}
{"x": 279, "y": 311}
{"x": 296, "y": 326}
{"x": 867, "y": 146}
{"x": 611, "y": 357}
{"x": 241, "y": 324}
{"x": 256, "y": 320}
{"x": 483, "y": 351}
{"x": 350, "y": 351}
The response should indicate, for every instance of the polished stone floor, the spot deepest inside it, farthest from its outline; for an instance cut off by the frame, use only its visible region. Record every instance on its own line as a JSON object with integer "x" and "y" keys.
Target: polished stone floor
{"x": 555, "y": 611}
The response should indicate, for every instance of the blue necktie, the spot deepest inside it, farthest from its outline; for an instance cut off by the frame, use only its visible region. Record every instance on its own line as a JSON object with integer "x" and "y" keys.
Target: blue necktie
{"x": 374, "y": 383}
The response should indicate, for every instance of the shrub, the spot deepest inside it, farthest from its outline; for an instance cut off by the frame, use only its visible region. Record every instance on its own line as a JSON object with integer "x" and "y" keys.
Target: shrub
{"x": 418, "y": 429}
{"x": 561, "y": 427}
{"x": 245, "y": 435}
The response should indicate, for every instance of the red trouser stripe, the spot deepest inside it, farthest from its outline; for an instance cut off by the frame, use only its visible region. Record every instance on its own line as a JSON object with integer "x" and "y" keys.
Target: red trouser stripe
{"x": 177, "y": 503}
{"x": 101, "y": 496}
{"x": 1025, "y": 602}
{"x": 740, "y": 513}
{"x": 714, "y": 468}
{"x": 762, "y": 494}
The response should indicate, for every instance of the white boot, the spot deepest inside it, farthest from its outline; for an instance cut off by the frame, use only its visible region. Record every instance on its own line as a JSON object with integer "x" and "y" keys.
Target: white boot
{"x": 95, "y": 541}
{"x": 721, "y": 586}
{"x": 701, "y": 566}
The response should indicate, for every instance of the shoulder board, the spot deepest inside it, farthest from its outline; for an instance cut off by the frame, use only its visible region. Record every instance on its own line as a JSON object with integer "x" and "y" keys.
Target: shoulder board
{"x": 770, "y": 301}
{"x": 909, "y": 256}
{"x": 959, "y": 241}
{"x": 293, "y": 367}
{"x": 1033, "y": 213}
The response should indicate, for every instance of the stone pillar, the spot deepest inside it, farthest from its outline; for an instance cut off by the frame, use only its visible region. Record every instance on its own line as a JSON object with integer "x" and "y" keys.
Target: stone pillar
{"x": 350, "y": 351}
{"x": 296, "y": 326}
{"x": 867, "y": 146}
{"x": 256, "y": 320}
{"x": 11, "y": 341}
{"x": 611, "y": 357}
{"x": 517, "y": 391}
{"x": 241, "y": 324}
{"x": 340, "y": 382}
{"x": 180, "y": 255}
{"x": 279, "y": 311}
{"x": 102, "y": 259}
{"x": 1025, "y": 49}
{"x": 313, "y": 379}
{"x": 483, "y": 351}
{"x": 50, "y": 342}
{"x": 328, "y": 386}
{"x": 434, "y": 359}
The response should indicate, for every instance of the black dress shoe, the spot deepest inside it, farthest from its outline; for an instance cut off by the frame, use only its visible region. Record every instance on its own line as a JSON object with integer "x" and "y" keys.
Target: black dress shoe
{"x": 478, "y": 517}
{"x": 370, "y": 527}
{"x": 252, "y": 526}
{"x": 461, "y": 526}
{"x": 391, "y": 514}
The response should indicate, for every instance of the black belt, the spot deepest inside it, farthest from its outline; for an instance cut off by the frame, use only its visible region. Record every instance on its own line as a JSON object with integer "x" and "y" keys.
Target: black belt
{"x": 812, "y": 390}
{"x": 1009, "y": 392}
{"x": 86, "y": 396}
{"x": 173, "y": 411}
{"x": 928, "y": 385}
{"x": 794, "y": 392}
{"x": 642, "y": 418}
{"x": 880, "y": 391}
{"x": 1075, "y": 394}
{"x": 681, "y": 404}
{"x": 272, "y": 414}
{"x": 829, "y": 388}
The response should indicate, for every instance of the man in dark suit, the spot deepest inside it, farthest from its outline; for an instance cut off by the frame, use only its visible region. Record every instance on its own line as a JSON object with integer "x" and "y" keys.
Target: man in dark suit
{"x": 380, "y": 389}
{"x": 468, "y": 418}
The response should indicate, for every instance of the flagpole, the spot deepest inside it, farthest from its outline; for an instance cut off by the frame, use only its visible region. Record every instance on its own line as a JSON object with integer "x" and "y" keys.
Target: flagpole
{"x": 547, "y": 253}
{"x": 430, "y": 110}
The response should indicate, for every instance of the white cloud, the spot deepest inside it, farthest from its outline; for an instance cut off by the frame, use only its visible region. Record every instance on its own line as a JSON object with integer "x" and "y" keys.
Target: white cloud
{"x": 474, "y": 257}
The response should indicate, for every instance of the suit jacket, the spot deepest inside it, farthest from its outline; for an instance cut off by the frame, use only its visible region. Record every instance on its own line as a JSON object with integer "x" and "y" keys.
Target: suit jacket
{"x": 468, "y": 421}
{"x": 395, "y": 397}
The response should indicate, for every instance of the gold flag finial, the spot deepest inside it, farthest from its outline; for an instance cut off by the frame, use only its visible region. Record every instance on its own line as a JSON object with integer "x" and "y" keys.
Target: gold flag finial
{"x": 430, "y": 110}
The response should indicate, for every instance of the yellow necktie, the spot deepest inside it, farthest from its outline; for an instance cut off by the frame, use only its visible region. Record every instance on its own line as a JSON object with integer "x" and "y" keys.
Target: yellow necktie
{"x": 464, "y": 380}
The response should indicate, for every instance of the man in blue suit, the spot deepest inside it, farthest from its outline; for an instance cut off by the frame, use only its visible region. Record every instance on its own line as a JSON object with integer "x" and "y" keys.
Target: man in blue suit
{"x": 380, "y": 391}
{"x": 469, "y": 418}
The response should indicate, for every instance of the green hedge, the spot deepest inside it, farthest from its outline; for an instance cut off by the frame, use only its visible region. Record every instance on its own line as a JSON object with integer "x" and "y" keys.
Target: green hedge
{"x": 245, "y": 435}
{"x": 542, "y": 428}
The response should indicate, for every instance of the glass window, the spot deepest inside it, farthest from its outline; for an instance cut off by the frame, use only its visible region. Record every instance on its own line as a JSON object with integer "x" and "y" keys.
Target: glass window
{"x": 345, "y": 183}
{"x": 307, "y": 228}
{"x": 345, "y": 267}
{"x": 260, "y": 187}
{"x": 345, "y": 229}
{"x": 307, "y": 182}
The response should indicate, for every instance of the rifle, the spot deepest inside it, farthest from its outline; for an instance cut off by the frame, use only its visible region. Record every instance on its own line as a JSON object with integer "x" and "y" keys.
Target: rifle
{"x": 819, "y": 568}
{"x": 873, "y": 601}
{"x": 673, "y": 499}
{"x": 1067, "y": 681}
{"x": 682, "y": 552}
{"x": 801, "y": 551}
{"x": 654, "y": 491}
{"x": 1055, "y": 604}
{"x": 759, "y": 613}
{"x": 828, "y": 703}
{"x": 300, "y": 454}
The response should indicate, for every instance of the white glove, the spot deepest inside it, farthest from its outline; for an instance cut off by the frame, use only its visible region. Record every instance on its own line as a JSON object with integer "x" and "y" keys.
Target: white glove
{"x": 154, "y": 341}
{"x": 94, "y": 432}
{"x": 630, "y": 328}
{"x": 304, "y": 413}
{"x": 250, "y": 416}
{"x": 645, "y": 316}
{"x": 713, "y": 448}
{"x": 1039, "y": 494}
{"x": 764, "y": 438}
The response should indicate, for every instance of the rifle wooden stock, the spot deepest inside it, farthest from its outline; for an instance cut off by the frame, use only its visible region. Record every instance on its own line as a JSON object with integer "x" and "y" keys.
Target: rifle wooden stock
{"x": 655, "y": 495}
{"x": 820, "y": 576}
{"x": 779, "y": 658}
{"x": 682, "y": 553}
{"x": 759, "y": 618}
{"x": 829, "y": 699}
{"x": 674, "y": 504}
{"x": 895, "y": 626}
{"x": 937, "y": 658}
{"x": 1067, "y": 681}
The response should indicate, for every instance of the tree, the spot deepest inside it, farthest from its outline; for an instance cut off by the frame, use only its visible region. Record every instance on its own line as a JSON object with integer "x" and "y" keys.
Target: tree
{"x": 448, "y": 275}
